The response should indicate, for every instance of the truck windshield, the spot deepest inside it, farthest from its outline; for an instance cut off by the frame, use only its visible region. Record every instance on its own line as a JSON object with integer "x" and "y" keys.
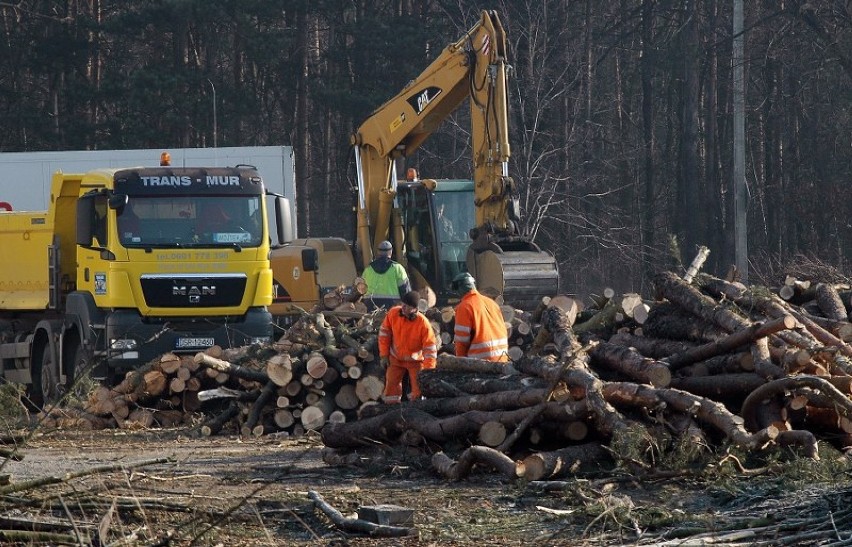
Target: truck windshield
{"x": 191, "y": 221}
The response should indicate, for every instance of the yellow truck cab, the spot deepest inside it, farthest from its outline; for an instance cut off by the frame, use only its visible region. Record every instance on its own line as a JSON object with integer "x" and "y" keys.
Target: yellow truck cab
{"x": 127, "y": 264}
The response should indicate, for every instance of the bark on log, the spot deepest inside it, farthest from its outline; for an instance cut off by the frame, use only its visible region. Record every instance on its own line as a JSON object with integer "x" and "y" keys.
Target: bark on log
{"x": 631, "y": 363}
{"x": 231, "y": 369}
{"x": 602, "y": 320}
{"x": 668, "y": 320}
{"x": 227, "y": 393}
{"x": 522, "y": 427}
{"x": 266, "y": 394}
{"x": 720, "y": 288}
{"x": 705, "y": 410}
{"x": 744, "y": 336}
{"x": 438, "y": 383}
{"x": 501, "y": 400}
{"x": 569, "y": 306}
{"x": 830, "y": 303}
{"x": 804, "y": 439}
{"x": 812, "y": 339}
{"x": 729, "y": 363}
{"x": 215, "y": 424}
{"x": 356, "y": 525}
{"x": 457, "y": 470}
{"x": 727, "y": 387}
{"x": 558, "y": 324}
{"x": 577, "y": 374}
{"x": 469, "y": 364}
{"x": 655, "y": 348}
{"x": 696, "y": 264}
{"x": 843, "y": 404}
{"x": 560, "y": 463}
{"x": 675, "y": 289}
{"x": 389, "y": 426}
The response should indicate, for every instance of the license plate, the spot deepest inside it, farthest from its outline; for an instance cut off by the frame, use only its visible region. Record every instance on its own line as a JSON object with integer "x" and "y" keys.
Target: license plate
{"x": 184, "y": 343}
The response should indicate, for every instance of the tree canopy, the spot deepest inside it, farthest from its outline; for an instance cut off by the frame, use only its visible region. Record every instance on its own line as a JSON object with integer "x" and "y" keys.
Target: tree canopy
{"x": 621, "y": 110}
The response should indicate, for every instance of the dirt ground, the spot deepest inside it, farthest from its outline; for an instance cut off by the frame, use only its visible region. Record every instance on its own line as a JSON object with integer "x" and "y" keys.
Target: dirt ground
{"x": 177, "y": 488}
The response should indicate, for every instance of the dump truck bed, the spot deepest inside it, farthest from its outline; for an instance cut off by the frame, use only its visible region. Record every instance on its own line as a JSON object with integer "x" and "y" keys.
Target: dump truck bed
{"x": 24, "y": 267}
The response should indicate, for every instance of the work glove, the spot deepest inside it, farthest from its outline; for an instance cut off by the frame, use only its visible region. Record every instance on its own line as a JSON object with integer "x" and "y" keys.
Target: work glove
{"x": 384, "y": 362}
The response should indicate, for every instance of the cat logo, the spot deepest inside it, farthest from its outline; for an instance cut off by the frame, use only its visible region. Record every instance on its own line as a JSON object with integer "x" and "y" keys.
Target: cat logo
{"x": 423, "y": 98}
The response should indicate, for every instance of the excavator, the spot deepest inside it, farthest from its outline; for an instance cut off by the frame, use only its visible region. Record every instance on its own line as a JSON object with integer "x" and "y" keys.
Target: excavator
{"x": 442, "y": 227}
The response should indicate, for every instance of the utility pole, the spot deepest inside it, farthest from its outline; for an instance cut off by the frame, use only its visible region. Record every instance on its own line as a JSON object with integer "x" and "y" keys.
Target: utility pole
{"x": 739, "y": 182}
{"x": 215, "y": 128}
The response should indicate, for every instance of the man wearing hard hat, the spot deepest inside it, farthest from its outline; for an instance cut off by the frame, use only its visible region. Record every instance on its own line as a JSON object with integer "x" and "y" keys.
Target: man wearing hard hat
{"x": 386, "y": 279}
{"x": 480, "y": 330}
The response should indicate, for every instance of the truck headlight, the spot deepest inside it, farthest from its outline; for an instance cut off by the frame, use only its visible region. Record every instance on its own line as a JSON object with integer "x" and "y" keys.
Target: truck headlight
{"x": 124, "y": 348}
{"x": 123, "y": 343}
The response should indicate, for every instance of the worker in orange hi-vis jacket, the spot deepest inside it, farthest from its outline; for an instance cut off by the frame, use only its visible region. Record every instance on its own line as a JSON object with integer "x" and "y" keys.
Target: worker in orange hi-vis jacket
{"x": 480, "y": 328}
{"x": 407, "y": 344}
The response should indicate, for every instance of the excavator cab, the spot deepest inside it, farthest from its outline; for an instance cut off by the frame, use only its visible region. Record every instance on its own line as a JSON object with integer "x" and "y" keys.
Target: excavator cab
{"x": 437, "y": 218}
{"x": 487, "y": 240}
{"x": 436, "y": 224}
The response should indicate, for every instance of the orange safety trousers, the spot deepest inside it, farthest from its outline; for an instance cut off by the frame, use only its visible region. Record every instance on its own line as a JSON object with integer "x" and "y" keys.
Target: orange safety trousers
{"x": 393, "y": 379}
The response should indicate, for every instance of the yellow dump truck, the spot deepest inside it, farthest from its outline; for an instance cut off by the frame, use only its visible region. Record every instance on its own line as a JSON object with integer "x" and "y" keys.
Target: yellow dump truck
{"x": 127, "y": 264}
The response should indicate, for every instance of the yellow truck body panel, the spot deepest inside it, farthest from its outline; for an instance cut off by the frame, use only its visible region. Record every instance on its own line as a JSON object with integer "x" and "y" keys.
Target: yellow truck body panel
{"x": 24, "y": 279}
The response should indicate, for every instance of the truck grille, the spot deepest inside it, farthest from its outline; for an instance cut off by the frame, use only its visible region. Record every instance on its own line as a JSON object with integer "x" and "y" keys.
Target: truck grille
{"x": 193, "y": 291}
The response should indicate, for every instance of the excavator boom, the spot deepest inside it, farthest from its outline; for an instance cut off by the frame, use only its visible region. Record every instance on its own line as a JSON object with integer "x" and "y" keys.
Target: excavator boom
{"x": 505, "y": 263}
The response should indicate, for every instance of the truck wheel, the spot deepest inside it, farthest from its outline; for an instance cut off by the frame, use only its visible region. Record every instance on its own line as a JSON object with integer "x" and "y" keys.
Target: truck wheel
{"x": 45, "y": 388}
{"x": 79, "y": 367}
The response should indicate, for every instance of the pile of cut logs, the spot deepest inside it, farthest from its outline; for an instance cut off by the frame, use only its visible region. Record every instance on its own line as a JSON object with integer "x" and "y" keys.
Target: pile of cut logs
{"x": 705, "y": 362}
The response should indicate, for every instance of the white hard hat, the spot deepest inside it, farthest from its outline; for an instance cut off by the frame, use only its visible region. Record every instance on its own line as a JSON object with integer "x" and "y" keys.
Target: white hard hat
{"x": 385, "y": 246}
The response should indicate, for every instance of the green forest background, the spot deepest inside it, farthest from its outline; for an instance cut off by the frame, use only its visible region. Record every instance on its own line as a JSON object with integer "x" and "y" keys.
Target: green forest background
{"x": 620, "y": 111}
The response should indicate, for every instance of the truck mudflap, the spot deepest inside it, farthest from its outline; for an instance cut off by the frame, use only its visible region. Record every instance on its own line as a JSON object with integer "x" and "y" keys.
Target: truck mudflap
{"x": 521, "y": 276}
{"x": 133, "y": 341}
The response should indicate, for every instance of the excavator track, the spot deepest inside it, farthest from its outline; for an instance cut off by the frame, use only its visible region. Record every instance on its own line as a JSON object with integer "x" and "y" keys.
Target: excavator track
{"x": 521, "y": 277}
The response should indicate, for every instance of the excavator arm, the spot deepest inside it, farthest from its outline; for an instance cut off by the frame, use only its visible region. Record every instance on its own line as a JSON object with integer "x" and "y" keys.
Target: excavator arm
{"x": 474, "y": 68}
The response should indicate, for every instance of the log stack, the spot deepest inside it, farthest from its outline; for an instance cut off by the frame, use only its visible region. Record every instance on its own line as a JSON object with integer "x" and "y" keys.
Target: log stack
{"x": 705, "y": 363}
{"x": 323, "y": 369}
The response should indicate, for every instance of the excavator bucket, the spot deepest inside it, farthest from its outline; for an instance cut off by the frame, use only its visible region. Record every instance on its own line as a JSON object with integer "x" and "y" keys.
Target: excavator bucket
{"x": 522, "y": 276}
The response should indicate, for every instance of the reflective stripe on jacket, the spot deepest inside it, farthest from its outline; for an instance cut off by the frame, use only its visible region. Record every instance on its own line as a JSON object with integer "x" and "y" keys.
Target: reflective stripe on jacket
{"x": 480, "y": 328}
{"x": 408, "y": 342}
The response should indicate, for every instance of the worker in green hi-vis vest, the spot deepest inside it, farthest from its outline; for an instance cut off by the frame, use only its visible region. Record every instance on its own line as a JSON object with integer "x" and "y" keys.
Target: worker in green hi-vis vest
{"x": 386, "y": 279}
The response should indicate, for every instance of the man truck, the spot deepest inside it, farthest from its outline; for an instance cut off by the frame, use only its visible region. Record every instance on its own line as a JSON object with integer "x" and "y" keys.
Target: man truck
{"x": 297, "y": 278}
{"x": 129, "y": 263}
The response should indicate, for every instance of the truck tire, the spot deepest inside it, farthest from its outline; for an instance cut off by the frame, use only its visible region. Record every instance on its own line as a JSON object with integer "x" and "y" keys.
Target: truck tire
{"x": 78, "y": 367}
{"x": 45, "y": 388}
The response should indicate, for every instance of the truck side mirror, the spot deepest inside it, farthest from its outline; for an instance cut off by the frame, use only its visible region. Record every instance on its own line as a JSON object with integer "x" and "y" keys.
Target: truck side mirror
{"x": 117, "y": 201}
{"x": 283, "y": 220}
